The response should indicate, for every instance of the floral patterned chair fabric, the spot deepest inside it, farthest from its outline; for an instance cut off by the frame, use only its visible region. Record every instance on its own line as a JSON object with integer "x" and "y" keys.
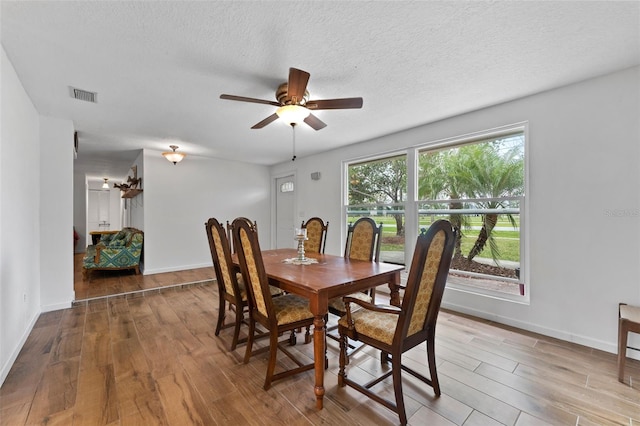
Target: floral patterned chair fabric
{"x": 278, "y": 315}
{"x": 363, "y": 243}
{"x": 395, "y": 330}
{"x": 363, "y": 240}
{"x": 316, "y": 235}
{"x": 114, "y": 252}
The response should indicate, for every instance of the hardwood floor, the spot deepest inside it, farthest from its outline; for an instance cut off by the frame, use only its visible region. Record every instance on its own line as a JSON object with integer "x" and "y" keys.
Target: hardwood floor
{"x": 152, "y": 358}
{"x": 109, "y": 283}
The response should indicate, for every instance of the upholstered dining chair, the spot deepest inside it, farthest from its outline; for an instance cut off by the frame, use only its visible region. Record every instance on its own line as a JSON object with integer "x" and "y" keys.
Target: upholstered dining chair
{"x": 231, "y": 288}
{"x": 230, "y": 285}
{"x": 395, "y": 330}
{"x": 316, "y": 235}
{"x": 363, "y": 243}
{"x": 278, "y": 315}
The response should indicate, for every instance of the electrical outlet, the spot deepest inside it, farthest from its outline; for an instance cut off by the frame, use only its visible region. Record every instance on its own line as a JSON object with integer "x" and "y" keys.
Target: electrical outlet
{"x": 24, "y": 297}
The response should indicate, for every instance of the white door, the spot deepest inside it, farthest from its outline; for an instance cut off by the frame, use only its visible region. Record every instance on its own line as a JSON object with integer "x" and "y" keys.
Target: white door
{"x": 285, "y": 191}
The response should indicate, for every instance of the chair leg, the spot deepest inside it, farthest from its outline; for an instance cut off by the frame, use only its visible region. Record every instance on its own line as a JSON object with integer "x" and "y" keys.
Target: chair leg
{"x": 431, "y": 358}
{"x": 396, "y": 363}
{"x": 622, "y": 347}
{"x": 221, "y": 315}
{"x": 236, "y": 329}
{"x": 273, "y": 353}
{"x": 247, "y": 353}
{"x": 343, "y": 360}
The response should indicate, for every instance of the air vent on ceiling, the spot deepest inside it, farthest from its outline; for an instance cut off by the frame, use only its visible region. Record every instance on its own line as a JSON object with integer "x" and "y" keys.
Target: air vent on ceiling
{"x": 84, "y": 95}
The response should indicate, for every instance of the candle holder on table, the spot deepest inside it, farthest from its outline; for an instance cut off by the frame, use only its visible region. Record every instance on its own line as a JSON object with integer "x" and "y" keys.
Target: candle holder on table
{"x": 300, "y": 237}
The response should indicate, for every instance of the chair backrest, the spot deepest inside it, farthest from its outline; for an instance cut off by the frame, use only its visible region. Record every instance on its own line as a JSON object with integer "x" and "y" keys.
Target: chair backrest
{"x": 363, "y": 240}
{"x": 426, "y": 283}
{"x": 245, "y": 238}
{"x": 221, "y": 256}
{"x": 316, "y": 235}
{"x": 230, "y": 237}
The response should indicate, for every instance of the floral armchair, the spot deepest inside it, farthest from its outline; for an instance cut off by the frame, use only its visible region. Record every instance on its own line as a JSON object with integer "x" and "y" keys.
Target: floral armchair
{"x": 115, "y": 252}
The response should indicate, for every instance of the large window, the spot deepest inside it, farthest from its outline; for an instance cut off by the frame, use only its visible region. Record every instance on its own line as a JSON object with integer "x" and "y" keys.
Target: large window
{"x": 478, "y": 184}
{"x": 378, "y": 189}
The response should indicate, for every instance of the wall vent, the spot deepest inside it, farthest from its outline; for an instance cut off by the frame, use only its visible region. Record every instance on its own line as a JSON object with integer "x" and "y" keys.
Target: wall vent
{"x": 84, "y": 95}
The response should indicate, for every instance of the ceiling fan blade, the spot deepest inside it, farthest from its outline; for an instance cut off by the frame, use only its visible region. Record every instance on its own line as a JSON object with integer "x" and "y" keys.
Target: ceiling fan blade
{"x": 252, "y": 100}
{"x": 315, "y": 122}
{"x": 297, "y": 85}
{"x": 269, "y": 119}
{"x": 344, "y": 103}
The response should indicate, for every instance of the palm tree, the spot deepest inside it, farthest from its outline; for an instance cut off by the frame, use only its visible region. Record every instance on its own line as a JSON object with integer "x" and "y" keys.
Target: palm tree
{"x": 482, "y": 170}
{"x": 490, "y": 170}
{"x": 437, "y": 181}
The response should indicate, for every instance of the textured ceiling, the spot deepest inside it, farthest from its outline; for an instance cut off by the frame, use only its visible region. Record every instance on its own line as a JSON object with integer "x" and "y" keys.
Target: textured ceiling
{"x": 160, "y": 67}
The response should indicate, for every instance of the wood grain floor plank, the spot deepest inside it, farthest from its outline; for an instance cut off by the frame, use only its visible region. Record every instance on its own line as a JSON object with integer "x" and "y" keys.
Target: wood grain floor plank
{"x": 67, "y": 344}
{"x": 568, "y": 397}
{"x": 139, "y": 401}
{"x": 47, "y": 319}
{"x": 56, "y": 392}
{"x": 15, "y": 414}
{"x": 483, "y": 395}
{"x": 26, "y": 373}
{"x": 183, "y": 405}
{"x": 129, "y": 359}
{"x": 515, "y": 396}
{"x": 210, "y": 375}
{"x": 96, "y": 350}
{"x": 73, "y": 317}
{"x": 425, "y": 416}
{"x": 526, "y": 419}
{"x": 97, "y": 403}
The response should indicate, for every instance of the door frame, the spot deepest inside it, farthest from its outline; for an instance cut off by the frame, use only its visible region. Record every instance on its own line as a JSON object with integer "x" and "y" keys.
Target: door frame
{"x": 274, "y": 194}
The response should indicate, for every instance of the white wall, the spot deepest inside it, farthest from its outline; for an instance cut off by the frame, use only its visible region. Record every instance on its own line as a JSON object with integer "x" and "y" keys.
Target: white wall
{"x": 583, "y": 202}
{"x": 179, "y": 199}
{"x": 80, "y": 186}
{"x": 19, "y": 216}
{"x": 56, "y": 213}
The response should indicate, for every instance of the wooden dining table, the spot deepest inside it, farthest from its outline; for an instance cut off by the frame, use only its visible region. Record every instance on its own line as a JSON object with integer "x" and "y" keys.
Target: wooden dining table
{"x": 332, "y": 276}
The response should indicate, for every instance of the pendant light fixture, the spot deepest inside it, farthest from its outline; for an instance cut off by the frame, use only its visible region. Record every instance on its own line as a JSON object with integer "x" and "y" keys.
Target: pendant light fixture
{"x": 105, "y": 185}
{"x": 174, "y": 156}
{"x": 292, "y": 114}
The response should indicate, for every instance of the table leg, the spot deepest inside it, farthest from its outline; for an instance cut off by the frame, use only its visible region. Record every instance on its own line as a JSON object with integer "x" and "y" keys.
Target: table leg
{"x": 319, "y": 356}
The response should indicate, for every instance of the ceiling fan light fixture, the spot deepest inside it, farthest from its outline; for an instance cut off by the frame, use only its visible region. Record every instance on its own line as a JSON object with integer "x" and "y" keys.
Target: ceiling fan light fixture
{"x": 174, "y": 156}
{"x": 105, "y": 185}
{"x": 292, "y": 114}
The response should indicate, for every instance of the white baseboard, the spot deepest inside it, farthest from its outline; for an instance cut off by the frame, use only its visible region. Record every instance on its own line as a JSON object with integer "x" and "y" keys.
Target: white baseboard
{"x": 16, "y": 351}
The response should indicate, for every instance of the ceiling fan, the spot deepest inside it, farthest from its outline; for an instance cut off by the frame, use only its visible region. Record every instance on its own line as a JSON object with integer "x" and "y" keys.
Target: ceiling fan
{"x": 294, "y": 105}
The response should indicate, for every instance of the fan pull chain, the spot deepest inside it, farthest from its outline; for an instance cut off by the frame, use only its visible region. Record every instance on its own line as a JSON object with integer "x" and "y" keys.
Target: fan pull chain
{"x": 293, "y": 129}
